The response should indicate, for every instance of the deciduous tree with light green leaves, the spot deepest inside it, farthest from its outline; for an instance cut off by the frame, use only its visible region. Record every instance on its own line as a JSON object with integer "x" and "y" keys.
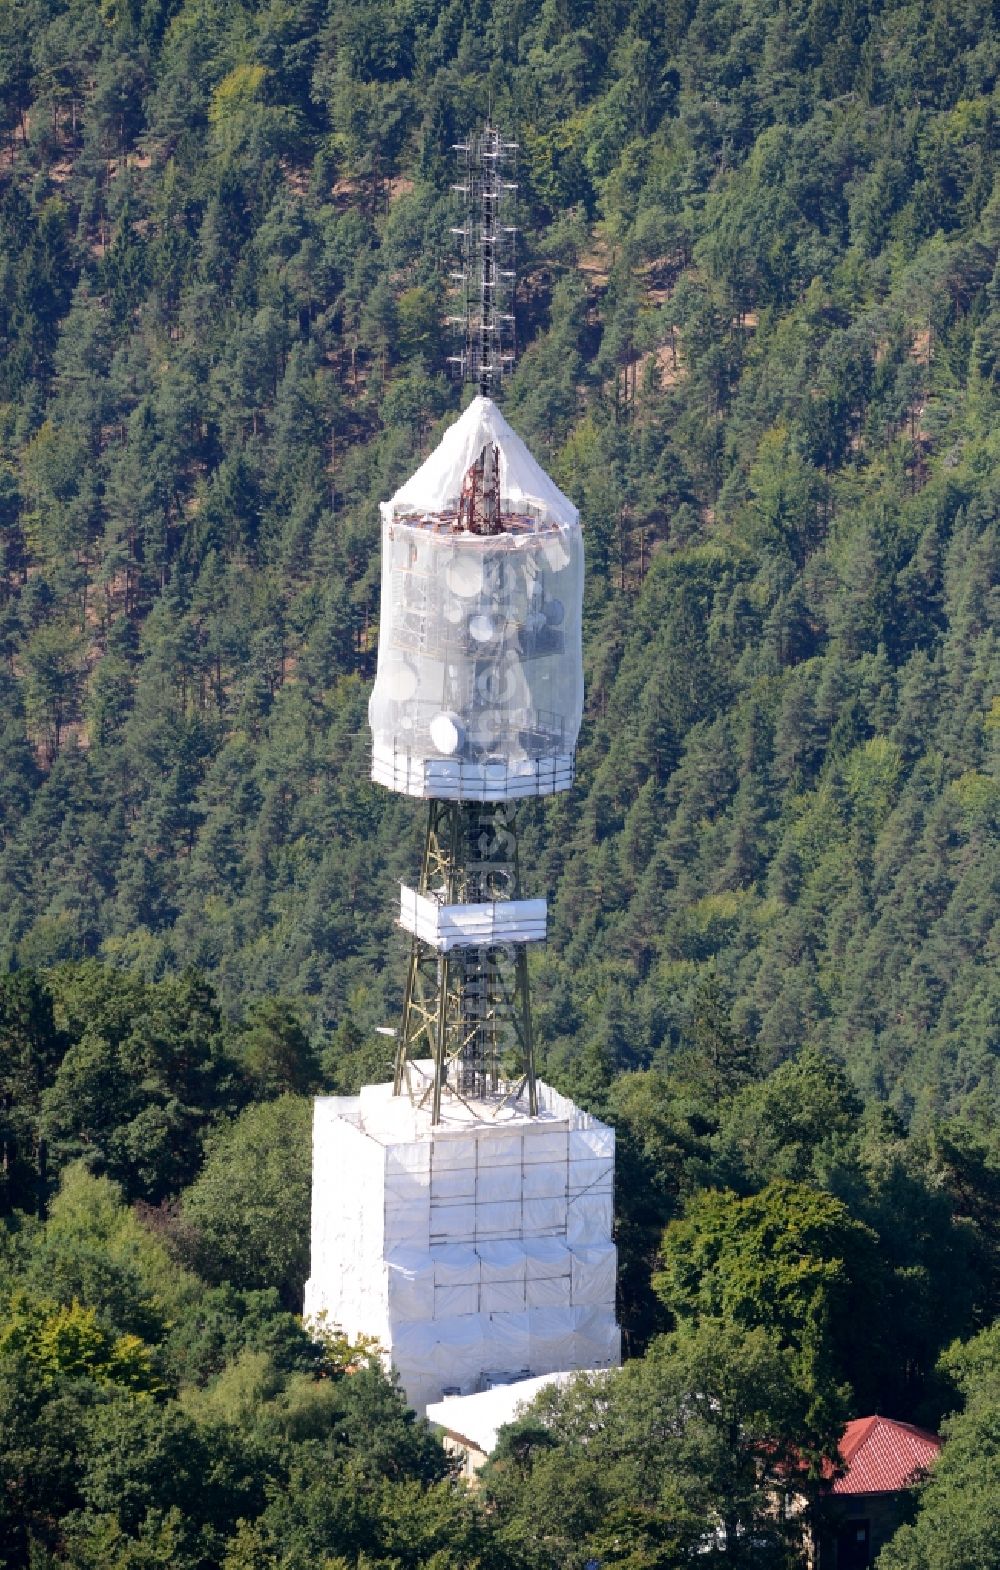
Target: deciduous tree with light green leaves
{"x": 681, "y": 1459}
{"x": 790, "y": 1260}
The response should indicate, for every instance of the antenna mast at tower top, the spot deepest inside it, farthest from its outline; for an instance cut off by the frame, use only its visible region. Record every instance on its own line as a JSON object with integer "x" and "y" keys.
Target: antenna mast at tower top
{"x": 485, "y": 276}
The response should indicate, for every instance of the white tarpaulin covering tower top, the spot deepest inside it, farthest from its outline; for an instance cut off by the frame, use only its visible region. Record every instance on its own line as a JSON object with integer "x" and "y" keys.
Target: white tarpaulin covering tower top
{"x": 479, "y": 690}
{"x": 524, "y": 485}
{"x": 477, "y": 1249}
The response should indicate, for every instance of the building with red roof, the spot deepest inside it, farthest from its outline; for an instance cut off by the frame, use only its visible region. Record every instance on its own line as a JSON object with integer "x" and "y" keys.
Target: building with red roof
{"x": 880, "y": 1461}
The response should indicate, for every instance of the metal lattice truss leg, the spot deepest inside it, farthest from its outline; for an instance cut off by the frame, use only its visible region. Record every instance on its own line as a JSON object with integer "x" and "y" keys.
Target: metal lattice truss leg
{"x": 469, "y": 1010}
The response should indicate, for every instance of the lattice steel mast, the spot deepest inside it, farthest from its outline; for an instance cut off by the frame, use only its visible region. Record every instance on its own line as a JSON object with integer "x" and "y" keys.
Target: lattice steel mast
{"x": 469, "y": 1009}
{"x": 485, "y": 616}
{"x": 486, "y": 273}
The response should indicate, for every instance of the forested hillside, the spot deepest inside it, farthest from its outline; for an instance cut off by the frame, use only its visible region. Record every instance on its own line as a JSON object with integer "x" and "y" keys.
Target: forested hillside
{"x": 759, "y": 321}
{"x": 761, "y": 348}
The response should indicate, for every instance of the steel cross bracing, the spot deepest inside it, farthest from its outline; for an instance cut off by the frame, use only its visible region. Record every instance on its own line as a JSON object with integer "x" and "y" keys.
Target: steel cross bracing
{"x": 469, "y": 1010}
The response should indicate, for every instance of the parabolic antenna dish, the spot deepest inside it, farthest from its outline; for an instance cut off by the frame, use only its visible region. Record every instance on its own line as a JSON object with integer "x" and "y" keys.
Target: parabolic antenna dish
{"x": 464, "y": 576}
{"x": 446, "y": 733}
{"x": 497, "y": 684}
{"x": 482, "y": 628}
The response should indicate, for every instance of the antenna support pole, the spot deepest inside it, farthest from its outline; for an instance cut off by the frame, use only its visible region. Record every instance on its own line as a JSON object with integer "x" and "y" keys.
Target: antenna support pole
{"x": 484, "y": 280}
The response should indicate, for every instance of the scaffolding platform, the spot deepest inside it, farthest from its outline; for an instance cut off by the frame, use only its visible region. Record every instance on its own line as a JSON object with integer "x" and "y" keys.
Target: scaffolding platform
{"x": 485, "y": 925}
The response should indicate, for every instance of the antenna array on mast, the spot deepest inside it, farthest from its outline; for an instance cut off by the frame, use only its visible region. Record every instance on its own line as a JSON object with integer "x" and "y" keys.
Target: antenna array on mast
{"x": 485, "y": 275}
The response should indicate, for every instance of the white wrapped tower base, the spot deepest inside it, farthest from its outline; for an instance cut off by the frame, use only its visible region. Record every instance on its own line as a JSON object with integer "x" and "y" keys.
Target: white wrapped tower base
{"x": 476, "y": 1250}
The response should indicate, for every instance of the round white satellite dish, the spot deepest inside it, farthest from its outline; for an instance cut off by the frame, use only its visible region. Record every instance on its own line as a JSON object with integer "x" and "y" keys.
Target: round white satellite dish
{"x": 446, "y": 733}
{"x": 481, "y": 627}
{"x": 497, "y": 684}
{"x": 464, "y": 576}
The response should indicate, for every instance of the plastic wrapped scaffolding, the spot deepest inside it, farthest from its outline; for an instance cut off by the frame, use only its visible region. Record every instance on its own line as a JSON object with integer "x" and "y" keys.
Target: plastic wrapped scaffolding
{"x": 479, "y": 690}
{"x": 447, "y": 927}
{"x": 472, "y": 1250}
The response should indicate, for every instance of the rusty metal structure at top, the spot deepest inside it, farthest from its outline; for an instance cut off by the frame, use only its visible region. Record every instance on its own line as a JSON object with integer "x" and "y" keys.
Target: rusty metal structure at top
{"x": 484, "y": 278}
{"x": 479, "y": 507}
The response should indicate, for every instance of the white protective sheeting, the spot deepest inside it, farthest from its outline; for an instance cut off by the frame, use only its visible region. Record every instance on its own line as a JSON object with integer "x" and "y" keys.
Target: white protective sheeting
{"x": 499, "y": 1185}
{"x": 544, "y": 1217}
{"x": 550, "y": 1329}
{"x": 502, "y": 1277}
{"x": 498, "y": 1218}
{"x": 410, "y": 1285}
{"x": 545, "y": 1180}
{"x": 548, "y": 1292}
{"x": 398, "y": 769}
{"x": 453, "y": 1223}
{"x": 502, "y": 1147}
{"x": 589, "y": 1218}
{"x": 594, "y": 1271}
{"x": 444, "y": 1352}
{"x": 476, "y": 1420}
{"x": 485, "y": 686}
{"x": 451, "y": 1185}
{"x": 545, "y": 1258}
{"x": 437, "y": 485}
{"x": 479, "y": 689}
{"x": 473, "y": 1250}
{"x": 449, "y": 1301}
{"x": 447, "y": 927}
{"x": 597, "y": 1338}
{"x": 509, "y": 1344}
{"x": 456, "y": 1266}
{"x": 456, "y": 1287}
{"x": 407, "y": 1226}
{"x": 547, "y": 1271}
{"x": 503, "y": 1260}
{"x": 347, "y": 1282}
{"x": 548, "y": 1143}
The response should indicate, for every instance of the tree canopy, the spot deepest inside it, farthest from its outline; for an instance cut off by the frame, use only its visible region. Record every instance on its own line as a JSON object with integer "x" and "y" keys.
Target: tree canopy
{"x": 758, "y": 317}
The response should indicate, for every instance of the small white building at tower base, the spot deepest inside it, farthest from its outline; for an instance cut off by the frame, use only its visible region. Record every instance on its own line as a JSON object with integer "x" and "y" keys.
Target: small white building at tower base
{"x": 475, "y": 1251}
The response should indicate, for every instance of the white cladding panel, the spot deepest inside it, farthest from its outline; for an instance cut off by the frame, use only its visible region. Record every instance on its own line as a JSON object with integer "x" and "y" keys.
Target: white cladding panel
{"x": 472, "y": 1252}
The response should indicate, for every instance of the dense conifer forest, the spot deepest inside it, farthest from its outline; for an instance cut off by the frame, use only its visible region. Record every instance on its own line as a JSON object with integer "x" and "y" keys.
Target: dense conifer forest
{"x": 759, "y": 326}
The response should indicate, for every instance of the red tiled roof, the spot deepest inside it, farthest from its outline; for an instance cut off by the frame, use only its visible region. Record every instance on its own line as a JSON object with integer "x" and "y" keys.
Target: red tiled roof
{"x": 882, "y": 1456}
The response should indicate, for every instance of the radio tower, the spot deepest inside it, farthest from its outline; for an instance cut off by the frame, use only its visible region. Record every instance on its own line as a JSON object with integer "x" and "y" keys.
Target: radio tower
{"x": 462, "y": 1215}
{"x": 466, "y": 1003}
